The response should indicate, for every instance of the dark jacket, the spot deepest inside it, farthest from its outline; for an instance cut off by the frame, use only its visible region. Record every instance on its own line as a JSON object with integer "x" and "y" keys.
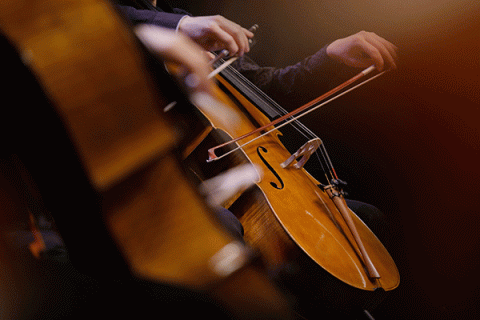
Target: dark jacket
{"x": 291, "y": 86}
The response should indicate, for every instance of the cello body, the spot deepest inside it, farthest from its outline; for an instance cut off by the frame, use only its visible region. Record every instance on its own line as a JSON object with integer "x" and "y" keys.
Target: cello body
{"x": 301, "y": 235}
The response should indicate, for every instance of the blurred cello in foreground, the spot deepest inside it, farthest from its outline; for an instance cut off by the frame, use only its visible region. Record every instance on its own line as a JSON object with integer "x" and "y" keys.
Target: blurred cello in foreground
{"x": 116, "y": 172}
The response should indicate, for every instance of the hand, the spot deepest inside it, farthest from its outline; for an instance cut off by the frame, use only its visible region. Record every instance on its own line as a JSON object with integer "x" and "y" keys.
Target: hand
{"x": 216, "y": 33}
{"x": 363, "y": 49}
{"x": 179, "y": 49}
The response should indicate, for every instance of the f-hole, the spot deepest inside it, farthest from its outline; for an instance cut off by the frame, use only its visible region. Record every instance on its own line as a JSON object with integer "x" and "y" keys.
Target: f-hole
{"x": 274, "y": 184}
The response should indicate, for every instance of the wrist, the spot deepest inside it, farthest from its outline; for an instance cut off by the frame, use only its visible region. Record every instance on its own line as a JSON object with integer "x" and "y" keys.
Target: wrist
{"x": 331, "y": 51}
{"x": 181, "y": 23}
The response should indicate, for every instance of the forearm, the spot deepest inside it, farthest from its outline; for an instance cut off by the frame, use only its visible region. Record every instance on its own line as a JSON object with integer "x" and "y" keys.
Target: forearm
{"x": 161, "y": 19}
{"x": 297, "y": 84}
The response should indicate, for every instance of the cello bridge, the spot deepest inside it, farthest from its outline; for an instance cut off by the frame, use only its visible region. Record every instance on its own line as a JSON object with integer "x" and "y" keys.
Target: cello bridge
{"x": 303, "y": 154}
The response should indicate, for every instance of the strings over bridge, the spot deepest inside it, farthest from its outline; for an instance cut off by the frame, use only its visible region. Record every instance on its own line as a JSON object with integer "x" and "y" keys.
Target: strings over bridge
{"x": 303, "y": 154}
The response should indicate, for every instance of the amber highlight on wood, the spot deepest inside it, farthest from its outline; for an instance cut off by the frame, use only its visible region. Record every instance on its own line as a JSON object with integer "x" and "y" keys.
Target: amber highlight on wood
{"x": 287, "y": 217}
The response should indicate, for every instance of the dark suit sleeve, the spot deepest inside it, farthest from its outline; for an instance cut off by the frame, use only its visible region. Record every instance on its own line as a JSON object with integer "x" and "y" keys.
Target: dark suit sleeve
{"x": 297, "y": 84}
{"x": 158, "y": 18}
{"x": 291, "y": 86}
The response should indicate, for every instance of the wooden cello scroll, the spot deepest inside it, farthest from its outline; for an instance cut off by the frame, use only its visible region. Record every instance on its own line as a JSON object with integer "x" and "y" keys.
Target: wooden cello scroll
{"x": 94, "y": 72}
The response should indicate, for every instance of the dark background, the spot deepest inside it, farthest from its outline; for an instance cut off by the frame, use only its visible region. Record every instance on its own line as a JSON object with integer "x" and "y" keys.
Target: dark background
{"x": 408, "y": 142}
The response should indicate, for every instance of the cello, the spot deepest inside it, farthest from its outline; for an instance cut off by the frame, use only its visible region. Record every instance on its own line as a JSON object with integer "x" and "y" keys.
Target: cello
{"x": 316, "y": 247}
{"x": 106, "y": 163}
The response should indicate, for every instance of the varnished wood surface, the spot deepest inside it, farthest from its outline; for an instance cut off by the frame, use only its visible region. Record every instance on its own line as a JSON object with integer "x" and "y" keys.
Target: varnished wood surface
{"x": 304, "y": 212}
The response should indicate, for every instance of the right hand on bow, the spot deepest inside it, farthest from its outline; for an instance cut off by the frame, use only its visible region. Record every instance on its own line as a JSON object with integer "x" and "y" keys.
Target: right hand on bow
{"x": 363, "y": 49}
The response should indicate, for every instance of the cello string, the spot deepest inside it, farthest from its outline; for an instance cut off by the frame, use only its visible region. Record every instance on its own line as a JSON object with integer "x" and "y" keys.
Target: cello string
{"x": 222, "y": 67}
{"x": 293, "y": 121}
{"x": 308, "y": 133}
{"x": 263, "y": 96}
{"x": 300, "y": 127}
{"x": 297, "y": 125}
{"x": 313, "y": 108}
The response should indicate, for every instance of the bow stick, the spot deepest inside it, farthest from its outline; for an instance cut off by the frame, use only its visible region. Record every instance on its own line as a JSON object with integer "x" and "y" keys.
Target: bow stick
{"x": 312, "y": 104}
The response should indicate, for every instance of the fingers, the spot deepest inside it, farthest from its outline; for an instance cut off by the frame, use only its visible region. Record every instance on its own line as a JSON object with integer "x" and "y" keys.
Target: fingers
{"x": 364, "y": 49}
{"x": 180, "y": 50}
{"x": 210, "y": 56}
{"x": 381, "y": 51}
{"x": 234, "y": 36}
{"x": 225, "y": 40}
{"x": 216, "y": 33}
